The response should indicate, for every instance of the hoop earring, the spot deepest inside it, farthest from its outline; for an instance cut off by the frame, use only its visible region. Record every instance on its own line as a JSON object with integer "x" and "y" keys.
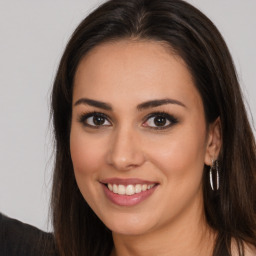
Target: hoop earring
{"x": 215, "y": 185}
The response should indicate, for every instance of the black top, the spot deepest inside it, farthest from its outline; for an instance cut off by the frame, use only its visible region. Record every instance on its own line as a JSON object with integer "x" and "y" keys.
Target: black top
{"x": 19, "y": 239}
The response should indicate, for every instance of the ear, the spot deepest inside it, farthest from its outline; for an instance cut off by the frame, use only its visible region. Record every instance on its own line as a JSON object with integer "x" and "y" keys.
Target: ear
{"x": 214, "y": 142}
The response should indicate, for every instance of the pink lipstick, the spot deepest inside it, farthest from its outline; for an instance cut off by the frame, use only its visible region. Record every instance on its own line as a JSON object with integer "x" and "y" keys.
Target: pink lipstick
{"x": 128, "y": 192}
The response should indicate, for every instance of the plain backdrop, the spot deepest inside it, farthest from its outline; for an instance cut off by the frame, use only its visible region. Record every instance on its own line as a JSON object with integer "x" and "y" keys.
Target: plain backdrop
{"x": 33, "y": 35}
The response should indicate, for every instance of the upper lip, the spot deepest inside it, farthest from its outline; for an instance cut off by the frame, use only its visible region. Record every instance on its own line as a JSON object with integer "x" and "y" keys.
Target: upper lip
{"x": 129, "y": 181}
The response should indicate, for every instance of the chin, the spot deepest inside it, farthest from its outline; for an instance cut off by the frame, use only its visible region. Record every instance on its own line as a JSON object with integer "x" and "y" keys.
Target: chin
{"x": 130, "y": 230}
{"x": 129, "y": 225}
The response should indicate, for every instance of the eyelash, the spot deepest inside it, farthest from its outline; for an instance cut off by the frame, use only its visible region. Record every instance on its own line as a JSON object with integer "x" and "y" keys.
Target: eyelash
{"x": 173, "y": 120}
{"x": 170, "y": 118}
{"x": 83, "y": 117}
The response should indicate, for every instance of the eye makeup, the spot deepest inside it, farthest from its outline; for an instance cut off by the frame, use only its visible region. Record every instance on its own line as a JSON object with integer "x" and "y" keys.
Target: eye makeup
{"x": 94, "y": 120}
{"x": 159, "y": 120}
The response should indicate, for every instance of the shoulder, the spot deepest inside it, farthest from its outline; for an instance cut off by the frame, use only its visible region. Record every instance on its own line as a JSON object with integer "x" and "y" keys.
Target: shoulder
{"x": 249, "y": 250}
{"x": 20, "y": 239}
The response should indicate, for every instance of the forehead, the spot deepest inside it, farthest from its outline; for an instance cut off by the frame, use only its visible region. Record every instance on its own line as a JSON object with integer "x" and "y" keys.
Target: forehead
{"x": 137, "y": 70}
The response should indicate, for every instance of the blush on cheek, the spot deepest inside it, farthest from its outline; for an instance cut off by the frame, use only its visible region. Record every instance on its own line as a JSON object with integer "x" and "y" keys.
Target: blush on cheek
{"x": 85, "y": 156}
{"x": 84, "y": 159}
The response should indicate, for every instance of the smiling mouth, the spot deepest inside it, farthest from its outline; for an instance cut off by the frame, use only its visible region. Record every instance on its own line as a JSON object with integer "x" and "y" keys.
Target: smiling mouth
{"x": 128, "y": 192}
{"x": 129, "y": 189}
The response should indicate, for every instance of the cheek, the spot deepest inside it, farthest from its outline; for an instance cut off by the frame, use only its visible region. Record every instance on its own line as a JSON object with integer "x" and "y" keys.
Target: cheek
{"x": 87, "y": 156}
{"x": 86, "y": 152}
{"x": 181, "y": 154}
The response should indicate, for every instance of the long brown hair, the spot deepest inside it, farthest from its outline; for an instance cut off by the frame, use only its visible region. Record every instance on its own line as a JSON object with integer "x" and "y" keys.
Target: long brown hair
{"x": 230, "y": 211}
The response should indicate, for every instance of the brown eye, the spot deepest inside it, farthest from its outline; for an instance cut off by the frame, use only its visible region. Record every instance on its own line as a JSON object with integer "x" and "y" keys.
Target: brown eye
{"x": 98, "y": 120}
{"x": 160, "y": 121}
{"x": 94, "y": 120}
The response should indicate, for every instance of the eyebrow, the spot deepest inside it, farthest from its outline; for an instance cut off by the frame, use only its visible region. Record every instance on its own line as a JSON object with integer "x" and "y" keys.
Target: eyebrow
{"x": 94, "y": 103}
{"x": 140, "y": 107}
{"x": 157, "y": 103}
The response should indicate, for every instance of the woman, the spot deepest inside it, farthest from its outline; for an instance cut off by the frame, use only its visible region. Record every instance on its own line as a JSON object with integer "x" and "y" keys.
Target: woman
{"x": 154, "y": 151}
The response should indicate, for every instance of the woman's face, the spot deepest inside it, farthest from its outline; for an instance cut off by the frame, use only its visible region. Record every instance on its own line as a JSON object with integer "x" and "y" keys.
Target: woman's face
{"x": 138, "y": 136}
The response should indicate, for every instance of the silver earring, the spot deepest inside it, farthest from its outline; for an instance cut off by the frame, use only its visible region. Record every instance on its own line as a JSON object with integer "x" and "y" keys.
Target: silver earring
{"x": 214, "y": 171}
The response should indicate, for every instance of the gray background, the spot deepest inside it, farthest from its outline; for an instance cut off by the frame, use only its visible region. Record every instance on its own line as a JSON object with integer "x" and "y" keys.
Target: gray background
{"x": 33, "y": 35}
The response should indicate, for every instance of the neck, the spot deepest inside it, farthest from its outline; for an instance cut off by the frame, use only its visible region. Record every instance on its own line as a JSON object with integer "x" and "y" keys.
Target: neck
{"x": 188, "y": 235}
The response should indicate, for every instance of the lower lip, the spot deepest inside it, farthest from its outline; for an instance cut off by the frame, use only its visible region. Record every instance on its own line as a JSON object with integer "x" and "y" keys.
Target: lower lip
{"x": 125, "y": 200}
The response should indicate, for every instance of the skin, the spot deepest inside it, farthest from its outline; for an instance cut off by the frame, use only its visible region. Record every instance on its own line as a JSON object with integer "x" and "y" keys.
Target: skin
{"x": 125, "y": 74}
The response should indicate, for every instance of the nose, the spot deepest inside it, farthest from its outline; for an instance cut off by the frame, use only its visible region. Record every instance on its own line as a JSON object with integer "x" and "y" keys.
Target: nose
{"x": 125, "y": 150}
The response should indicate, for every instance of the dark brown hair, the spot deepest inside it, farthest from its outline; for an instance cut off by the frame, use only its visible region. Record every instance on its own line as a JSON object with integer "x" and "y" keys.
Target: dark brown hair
{"x": 230, "y": 211}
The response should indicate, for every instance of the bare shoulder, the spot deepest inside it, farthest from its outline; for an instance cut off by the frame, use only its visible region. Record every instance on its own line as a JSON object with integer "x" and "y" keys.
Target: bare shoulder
{"x": 249, "y": 250}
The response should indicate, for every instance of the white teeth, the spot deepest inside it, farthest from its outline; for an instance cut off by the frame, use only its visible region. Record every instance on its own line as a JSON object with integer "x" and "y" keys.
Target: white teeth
{"x": 144, "y": 187}
{"x": 137, "y": 188}
{"x": 121, "y": 190}
{"x": 129, "y": 189}
{"x": 115, "y": 188}
{"x": 110, "y": 187}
